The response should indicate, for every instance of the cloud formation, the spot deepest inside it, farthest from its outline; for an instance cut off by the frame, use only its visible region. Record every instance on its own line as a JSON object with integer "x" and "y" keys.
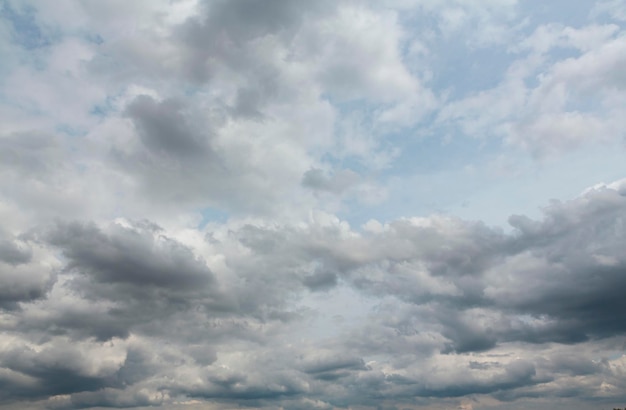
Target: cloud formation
{"x": 312, "y": 205}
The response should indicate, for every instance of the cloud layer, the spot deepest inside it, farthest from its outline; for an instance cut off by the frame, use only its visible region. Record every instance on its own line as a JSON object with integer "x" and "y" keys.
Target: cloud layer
{"x": 312, "y": 205}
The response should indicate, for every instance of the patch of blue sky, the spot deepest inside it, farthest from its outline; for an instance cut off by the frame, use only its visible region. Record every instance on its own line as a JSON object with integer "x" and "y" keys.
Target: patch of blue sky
{"x": 212, "y": 215}
{"x": 70, "y": 130}
{"x": 358, "y": 115}
{"x": 604, "y": 16}
{"x": 423, "y": 155}
{"x": 448, "y": 55}
{"x": 353, "y": 163}
{"x": 430, "y": 176}
{"x": 535, "y": 185}
{"x": 562, "y": 52}
{"x": 573, "y": 13}
{"x": 418, "y": 150}
{"x": 454, "y": 76}
{"x": 445, "y": 172}
{"x": 418, "y": 194}
{"x": 105, "y": 108}
{"x": 100, "y": 110}
{"x": 346, "y": 105}
{"x": 495, "y": 188}
{"x": 26, "y": 31}
{"x": 451, "y": 72}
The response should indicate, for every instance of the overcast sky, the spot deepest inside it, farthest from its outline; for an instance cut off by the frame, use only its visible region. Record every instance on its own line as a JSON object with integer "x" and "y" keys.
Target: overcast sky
{"x": 312, "y": 205}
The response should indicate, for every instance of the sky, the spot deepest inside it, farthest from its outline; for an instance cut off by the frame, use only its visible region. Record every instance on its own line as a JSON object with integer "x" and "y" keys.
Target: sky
{"x": 312, "y": 205}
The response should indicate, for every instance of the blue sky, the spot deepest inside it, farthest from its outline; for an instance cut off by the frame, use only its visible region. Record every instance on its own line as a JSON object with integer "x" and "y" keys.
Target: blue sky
{"x": 399, "y": 204}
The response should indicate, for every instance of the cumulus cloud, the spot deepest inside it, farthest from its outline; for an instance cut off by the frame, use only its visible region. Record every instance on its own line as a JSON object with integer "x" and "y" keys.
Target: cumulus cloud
{"x": 456, "y": 290}
{"x": 228, "y": 204}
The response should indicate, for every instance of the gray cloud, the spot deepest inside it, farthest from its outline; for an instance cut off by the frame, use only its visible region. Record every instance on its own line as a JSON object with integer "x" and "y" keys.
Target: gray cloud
{"x": 134, "y": 257}
{"x": 320, "y": 280}
{"x": 226, "y": 30}
{"x": 32, "y": 154}
{"x": 271, "y": 114}
{"x": 451, "y": 290}
{"x": 14, "y": 252}
{"x": 23, "y": 284}
{"x": 56, "y": 370}
{"x": 21, "y": 277}
{"x": 316, "y": 179}
{"x": 164, "y": 129}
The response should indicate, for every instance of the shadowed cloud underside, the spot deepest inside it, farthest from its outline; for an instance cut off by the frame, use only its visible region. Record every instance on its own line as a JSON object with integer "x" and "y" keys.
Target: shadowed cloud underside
{"x": 398, "y": 204}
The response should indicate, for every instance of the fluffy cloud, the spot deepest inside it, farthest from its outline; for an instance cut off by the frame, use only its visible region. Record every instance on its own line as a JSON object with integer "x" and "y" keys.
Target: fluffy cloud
{"x": 462, "y": 299}
{"x": 228, "y": 204}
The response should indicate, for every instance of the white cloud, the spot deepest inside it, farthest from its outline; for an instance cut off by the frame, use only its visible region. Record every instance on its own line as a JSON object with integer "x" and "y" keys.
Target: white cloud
{"x": 287, "y": 205}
